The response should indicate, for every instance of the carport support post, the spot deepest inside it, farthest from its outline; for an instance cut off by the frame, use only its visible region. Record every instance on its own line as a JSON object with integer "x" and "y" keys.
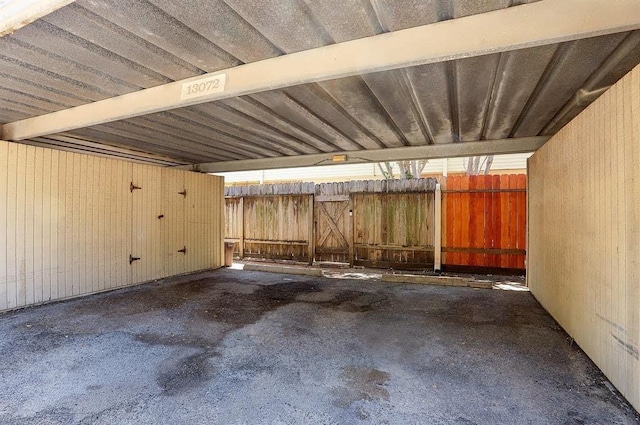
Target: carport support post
{"x": 438, "y": 228}
{"x": 312, "y": 229}
{"x": 350, "y": 236}
{"x": 241, "y": 244}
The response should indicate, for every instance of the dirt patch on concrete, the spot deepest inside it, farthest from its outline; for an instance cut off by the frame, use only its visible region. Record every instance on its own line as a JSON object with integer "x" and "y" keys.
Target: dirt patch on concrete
{"x": 361, "y": 384}
{"x": 130, "y": 302}
{"x": 228, "y": 307}
{"x": 178, "y": 374}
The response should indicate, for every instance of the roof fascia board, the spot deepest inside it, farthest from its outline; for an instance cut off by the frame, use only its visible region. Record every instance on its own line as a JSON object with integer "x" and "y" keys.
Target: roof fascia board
{"x": 445, "y": 150}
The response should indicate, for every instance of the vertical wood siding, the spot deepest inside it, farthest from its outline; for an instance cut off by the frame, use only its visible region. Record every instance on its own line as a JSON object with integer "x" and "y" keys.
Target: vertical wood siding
{"x": 584, "y": 232}
{"x": 68, "y": 223}
{"x": 172, "y": 223}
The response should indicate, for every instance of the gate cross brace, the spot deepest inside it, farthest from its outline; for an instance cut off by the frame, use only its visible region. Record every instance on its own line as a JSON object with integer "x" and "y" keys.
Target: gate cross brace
{"x": 332, "y": 224}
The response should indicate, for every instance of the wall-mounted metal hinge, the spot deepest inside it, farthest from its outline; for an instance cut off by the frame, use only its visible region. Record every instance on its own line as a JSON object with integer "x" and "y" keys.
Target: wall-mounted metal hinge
{"x": 132, "y": 258}
{"x": 133, "y": 187}
{"x": 160, "y": 216}
{"x": 183, "y": 193}
{"x": 183, "y": 250}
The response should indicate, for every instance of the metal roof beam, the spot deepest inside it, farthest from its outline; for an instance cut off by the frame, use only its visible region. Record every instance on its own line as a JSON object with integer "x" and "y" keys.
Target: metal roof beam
{"x": 529, "y": 25}
{"x": 445, "y": 150}
{"x": 74, "y": 144}
{"x": 15, "y": 14}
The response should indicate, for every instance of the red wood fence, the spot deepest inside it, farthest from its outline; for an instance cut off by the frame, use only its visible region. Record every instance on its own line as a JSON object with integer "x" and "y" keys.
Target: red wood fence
{"x": 484, "y": 221}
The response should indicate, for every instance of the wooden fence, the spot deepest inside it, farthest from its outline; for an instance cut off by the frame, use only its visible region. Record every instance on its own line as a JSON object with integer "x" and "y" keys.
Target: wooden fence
{"x": 273, "y": 226}
{"x": 392, "y": 229}
{"x": 484, "y": 221}
{"x": 383, "y": 223}
{"x": 373, "y": 223}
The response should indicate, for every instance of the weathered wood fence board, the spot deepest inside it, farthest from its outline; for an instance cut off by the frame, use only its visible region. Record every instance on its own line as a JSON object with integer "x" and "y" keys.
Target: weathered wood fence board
{"x": 484, "y": 221}
{"x": 271, "y": 189}
{"x": 271, "y": 226}
{"x": 234, "y": 224}
{"x": 394, "y": 229}
{"x": 307, "y": 222}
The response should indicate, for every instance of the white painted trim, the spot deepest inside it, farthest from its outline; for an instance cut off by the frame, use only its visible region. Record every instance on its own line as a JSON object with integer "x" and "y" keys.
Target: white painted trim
{"x": 16, "y": 14}
{"x": 446, "y": 150}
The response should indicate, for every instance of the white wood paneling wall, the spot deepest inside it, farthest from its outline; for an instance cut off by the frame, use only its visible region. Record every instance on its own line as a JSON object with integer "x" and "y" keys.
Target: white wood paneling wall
{"x": 68, "y": 223}
{"x": 584, "y": 232}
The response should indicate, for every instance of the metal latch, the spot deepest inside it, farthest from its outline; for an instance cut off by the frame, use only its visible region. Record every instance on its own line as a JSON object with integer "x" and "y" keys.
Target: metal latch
{"x": 183, "y": 193}
{"x": 133, "y": 187}
{"x": 160, "y": 216}
{"x": 132, "y": 258}
{"x": 183, "y": 250}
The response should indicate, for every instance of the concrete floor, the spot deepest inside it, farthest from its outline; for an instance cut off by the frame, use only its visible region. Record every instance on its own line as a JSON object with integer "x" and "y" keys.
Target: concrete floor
{"x": 236, "y": 347}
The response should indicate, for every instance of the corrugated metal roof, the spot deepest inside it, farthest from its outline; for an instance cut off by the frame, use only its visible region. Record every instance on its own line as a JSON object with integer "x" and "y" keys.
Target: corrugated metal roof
{"x": 92, "y": 50}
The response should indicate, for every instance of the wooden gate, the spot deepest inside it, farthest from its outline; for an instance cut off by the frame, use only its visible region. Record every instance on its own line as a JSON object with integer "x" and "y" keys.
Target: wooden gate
{"x": 172, "y": 222}
{"x": 333, "y": 228}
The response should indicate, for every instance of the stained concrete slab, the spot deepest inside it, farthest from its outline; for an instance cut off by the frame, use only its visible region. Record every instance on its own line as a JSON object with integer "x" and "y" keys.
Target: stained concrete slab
{"x": 239, "y": 347}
